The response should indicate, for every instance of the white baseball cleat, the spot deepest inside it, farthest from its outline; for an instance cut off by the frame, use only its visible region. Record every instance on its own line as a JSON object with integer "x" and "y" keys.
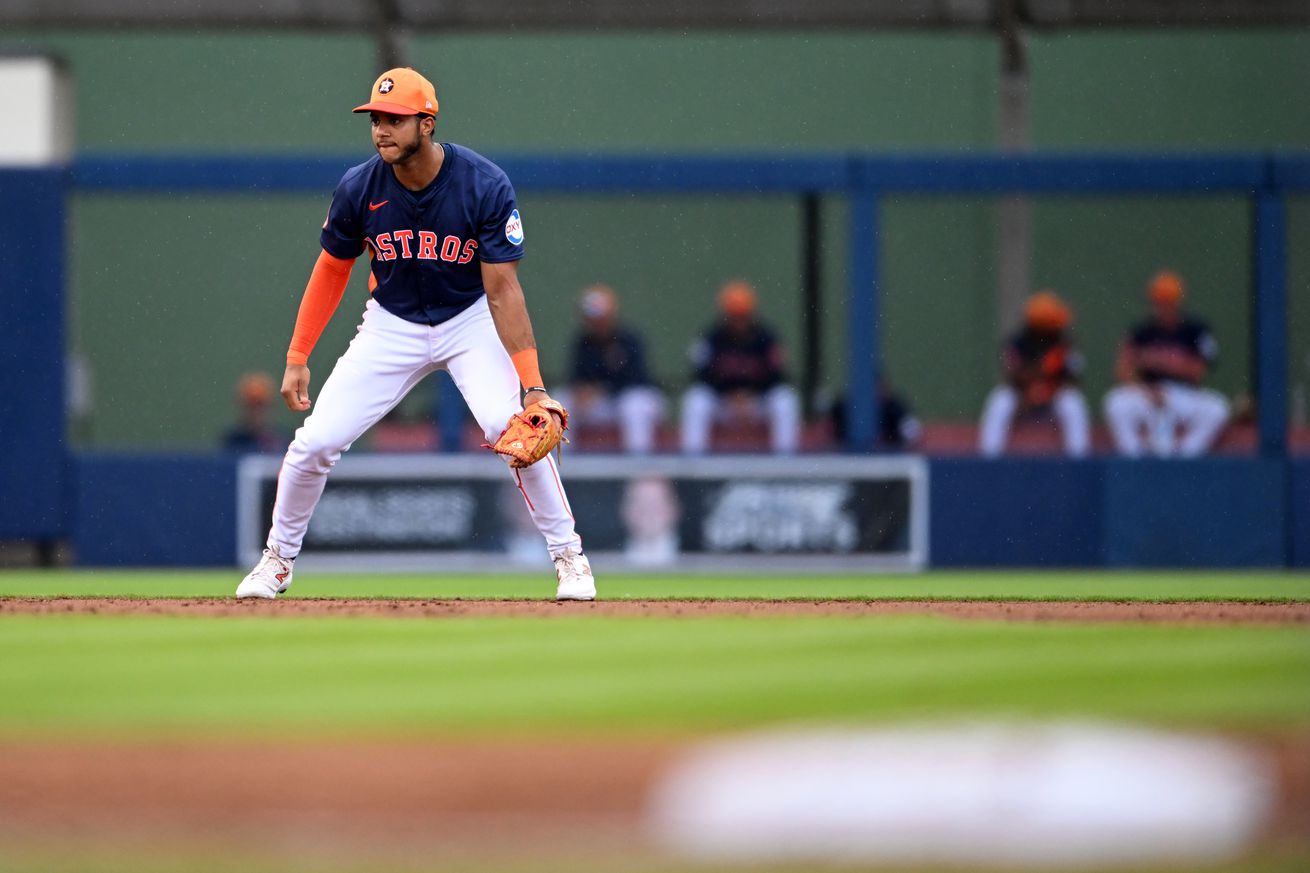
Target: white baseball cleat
{"x": 575, "y": 580}
{"x": 271, "y": 576}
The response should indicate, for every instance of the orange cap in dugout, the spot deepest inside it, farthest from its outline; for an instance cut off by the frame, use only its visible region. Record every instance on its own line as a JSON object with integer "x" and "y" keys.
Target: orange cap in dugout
{"x": 1046, "y": 311}
{"x": 737, "y": 299}
{"x": 1166, "y": 287}
{"x": 402, "y": 91}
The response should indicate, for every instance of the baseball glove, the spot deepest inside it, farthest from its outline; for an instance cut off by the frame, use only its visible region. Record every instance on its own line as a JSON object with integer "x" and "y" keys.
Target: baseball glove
{"x": 533, "y": 433}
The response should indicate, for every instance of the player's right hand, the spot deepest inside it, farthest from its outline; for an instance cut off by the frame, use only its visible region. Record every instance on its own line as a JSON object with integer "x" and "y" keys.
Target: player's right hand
{"x": 295, "y": 387}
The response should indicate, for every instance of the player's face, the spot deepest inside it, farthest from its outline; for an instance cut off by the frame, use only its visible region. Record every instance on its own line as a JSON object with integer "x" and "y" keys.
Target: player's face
{"x": 396, "y": 137}
{"x": 1165, "y": 312}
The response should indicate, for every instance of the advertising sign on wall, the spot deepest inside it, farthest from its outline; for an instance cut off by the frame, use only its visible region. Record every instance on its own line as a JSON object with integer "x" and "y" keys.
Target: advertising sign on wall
{"x": 739, "y": 512}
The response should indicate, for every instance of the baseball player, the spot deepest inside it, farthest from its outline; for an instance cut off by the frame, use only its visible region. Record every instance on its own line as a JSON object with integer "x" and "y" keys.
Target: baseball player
{"x": 739, "y": 374}
{"x": 1161, "y": 366}
{"x": 610, "y": 384}
{"x": 442, "y": 229}
{"x": 1042, "y": 368}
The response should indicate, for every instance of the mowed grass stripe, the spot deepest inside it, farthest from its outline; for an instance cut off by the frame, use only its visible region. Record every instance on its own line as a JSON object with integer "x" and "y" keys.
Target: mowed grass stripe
{"x": 135, "y": 675}
{"x": 1029, "y": 585}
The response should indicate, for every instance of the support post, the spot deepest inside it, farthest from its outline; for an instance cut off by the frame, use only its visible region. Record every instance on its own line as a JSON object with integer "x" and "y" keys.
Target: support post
{"x": 811, "y": 299}
{"x": 1014, "y": 211}
{"x": 391, "y": 36}
{"x": 862, "y": 346}
{"x": 450, "y": 414}
{"x": 1269, "y": 321}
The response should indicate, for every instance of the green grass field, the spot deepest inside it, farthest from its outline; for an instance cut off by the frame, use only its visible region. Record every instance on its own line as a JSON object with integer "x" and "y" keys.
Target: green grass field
{"x": 84, "y": 673}
{"x": 1022, "y": 585}
{"x": 141, "y": 677}
{"x": 79, "y": 674}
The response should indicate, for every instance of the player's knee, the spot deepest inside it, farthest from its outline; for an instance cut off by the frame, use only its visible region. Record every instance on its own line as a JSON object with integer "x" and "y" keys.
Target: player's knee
{"x": 314, "y": 450}
{"x": 1216, "y": 407}
{"x": 640, "y": 402}
{"x": 783, "y": 398}
{"x": 1002, "y": 400}
{"x": 1070, "y": 399}
{"x": 1122, "y": 402}
{"x": 491, "y": 430}
{"x": 493, "y": 419}
{"x": 698, "y": 399}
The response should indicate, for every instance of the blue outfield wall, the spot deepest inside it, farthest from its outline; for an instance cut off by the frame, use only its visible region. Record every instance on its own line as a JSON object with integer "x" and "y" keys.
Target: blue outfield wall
{"x": 33, "y": 452}
{"x": 1220, "y": 512}
{"x": 1015, "y": 513}
{"x": 1213, "y": 512}
{"x": 150, "y": 510}
{"x": 155, "y": 511}
{"x": 1298, "y": 527}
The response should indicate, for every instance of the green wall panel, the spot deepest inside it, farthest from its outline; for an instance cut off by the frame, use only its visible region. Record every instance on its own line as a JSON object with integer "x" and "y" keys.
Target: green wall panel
{"x": 713, "y": 92}
{"x": 1145, "y": 89}
{"x": 938, "y": 309}
{"x": 176, "y": 297}
{"x": 173, "y": 297}
{"x": 666, "y": 257}
{"x": 211, "y": 91}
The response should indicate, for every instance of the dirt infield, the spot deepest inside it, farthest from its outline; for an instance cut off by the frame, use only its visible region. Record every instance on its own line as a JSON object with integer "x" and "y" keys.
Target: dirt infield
{"x": 361, "y": 798}
{"x": 1187, "y": 612}
{"x": 363, "y": 795}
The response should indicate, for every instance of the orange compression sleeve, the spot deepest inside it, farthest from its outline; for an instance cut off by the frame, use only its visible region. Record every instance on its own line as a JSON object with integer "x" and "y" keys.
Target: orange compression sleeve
{"x": 327, "y": 283}
{"x": 525, "y": 362}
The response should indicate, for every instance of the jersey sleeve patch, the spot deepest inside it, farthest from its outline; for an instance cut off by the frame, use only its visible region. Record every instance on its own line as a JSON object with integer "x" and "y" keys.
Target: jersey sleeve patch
{"x": 514, "y": 228}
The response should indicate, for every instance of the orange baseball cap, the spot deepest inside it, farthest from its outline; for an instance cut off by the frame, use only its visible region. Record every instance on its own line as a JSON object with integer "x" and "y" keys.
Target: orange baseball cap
{"x": 737, "y": 299}
{"x": 255, "y": 389}
{"x": 1046, "y": 311}
{"x": 402, "y": 91}
{"x": 1166, "y": 287}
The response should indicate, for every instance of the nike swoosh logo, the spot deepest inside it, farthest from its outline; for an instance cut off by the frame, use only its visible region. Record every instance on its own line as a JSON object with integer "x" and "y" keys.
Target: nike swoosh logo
{"x": 373, "y": 207}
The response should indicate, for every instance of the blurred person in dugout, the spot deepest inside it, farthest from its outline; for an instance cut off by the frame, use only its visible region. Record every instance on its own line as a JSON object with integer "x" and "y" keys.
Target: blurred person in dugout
{"x": 1159, "y": 406}
{"x": 253, "y": 432}
{"x": 610, "y": 384}
{"x": 1041, "y": 371}
{"x": 739, "y": 377}
{"x": 899, "y": 429}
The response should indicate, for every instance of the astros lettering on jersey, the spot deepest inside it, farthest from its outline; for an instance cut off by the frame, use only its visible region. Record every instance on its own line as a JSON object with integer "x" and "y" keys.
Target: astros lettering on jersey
{"x": 474, "y": 217}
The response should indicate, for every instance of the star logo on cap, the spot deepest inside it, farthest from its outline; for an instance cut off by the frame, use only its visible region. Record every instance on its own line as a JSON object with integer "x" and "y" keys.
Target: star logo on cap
{"x": 385, "y": 86}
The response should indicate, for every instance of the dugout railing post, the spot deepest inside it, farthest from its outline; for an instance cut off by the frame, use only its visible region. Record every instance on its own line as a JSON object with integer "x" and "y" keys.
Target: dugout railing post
{"x": 863, "y": 329}
{"x": 1269, "y": 320}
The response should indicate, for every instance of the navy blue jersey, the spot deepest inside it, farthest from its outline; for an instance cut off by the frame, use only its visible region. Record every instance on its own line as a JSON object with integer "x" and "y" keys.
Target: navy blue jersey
{"x": 426, "y": 246}
{"x": 1190, "y": 336}
{"x": 614, "y": 362}
{"x": 1034, "y": 355}
{"x": 729, "y": 360}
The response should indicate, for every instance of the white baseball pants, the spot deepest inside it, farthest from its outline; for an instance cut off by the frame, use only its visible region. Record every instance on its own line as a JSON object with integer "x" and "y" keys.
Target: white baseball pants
{"x": 1199, "y": 412}
{"x": 388, "y": 357}
{"x": 1070, "y": 409}
{"x": 780, "y": 405}
{"x": 636, "y": 410}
